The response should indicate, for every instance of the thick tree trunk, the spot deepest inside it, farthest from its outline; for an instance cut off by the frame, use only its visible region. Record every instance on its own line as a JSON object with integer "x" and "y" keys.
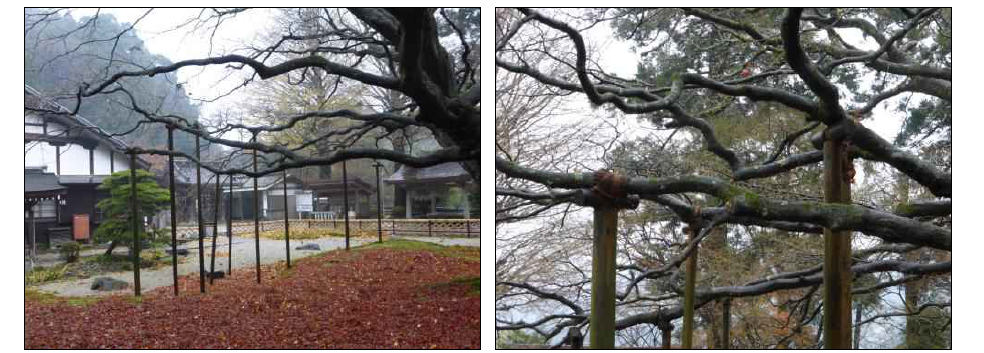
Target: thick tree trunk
{"x": 112, "y": 246}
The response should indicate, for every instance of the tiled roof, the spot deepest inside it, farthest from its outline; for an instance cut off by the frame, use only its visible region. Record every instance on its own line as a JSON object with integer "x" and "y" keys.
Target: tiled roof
{"x": 81, "y": 179}
{"x": 34, "y": 99}
{"x": 450, "y": 171}
{"x": 36, "y": 181}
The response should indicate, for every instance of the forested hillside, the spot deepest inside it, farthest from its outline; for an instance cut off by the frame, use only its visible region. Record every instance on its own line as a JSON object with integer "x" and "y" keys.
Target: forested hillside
{"x": 61, "y": 52}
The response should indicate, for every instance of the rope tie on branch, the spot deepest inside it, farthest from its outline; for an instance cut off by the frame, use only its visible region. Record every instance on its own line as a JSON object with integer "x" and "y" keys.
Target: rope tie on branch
{"x": 609, "y": 185}
{"x": 609, "y": 190}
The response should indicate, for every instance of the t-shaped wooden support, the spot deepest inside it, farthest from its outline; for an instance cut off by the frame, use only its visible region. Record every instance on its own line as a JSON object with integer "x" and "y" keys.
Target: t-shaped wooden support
{"x": 606, "y": 197}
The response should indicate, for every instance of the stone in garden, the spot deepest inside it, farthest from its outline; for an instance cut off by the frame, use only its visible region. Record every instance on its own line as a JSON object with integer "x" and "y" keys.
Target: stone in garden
{"x": 216, "y": 274}
{"x": 309, "y": 246}
{"x": 181, "y": 252}
{"x": 108, "y": 284}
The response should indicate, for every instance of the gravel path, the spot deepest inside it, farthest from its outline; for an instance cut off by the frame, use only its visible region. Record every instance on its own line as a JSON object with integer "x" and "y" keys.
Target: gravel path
{"x": 243, "y": 256}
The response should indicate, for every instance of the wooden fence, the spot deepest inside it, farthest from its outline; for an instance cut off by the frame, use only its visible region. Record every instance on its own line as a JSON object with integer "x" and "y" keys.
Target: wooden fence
{"x": 400, "y": 227}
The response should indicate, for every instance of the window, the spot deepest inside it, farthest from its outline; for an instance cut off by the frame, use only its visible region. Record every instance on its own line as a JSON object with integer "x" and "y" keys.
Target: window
{"x": 43, "y": 209}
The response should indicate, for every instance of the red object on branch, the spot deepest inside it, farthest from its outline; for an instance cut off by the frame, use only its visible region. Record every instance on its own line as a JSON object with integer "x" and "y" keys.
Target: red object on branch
{"x": 747, "y": 71}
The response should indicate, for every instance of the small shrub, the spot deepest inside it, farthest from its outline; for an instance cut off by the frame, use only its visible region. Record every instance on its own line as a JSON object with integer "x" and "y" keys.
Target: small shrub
{"x": 398, "y": 212}
{"x": 45, "y": 274}
{"x": 70, "y": 251}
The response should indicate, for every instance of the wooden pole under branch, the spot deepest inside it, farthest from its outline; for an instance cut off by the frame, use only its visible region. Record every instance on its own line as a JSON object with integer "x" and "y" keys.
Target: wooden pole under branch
{"x": 174, "y": 212}
{"x": 726, "y": 324}
{"x": 666, "y": 331}
{"x": 136, "y": 227}
{"x": 256, "y": 213}
{"x": 201, "y": 227}
{"x": 345, "y": 201}
{"x": 215, "y": 226}
{"x": 286, "y": 220}
{"x": 607, "y": 198}
{"x": 379, "y": 206}
{"x": 229, "y": 228}
{"x": 837, "y": 275}
{"x": 603, "y": 278}
{"x": 688, "y": 298}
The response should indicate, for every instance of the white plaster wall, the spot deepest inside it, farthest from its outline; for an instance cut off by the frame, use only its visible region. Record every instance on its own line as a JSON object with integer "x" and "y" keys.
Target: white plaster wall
{"x": 33, "y": 119}
{"x": 39, "y": 154}
{"x": 74, "y": 160}
{"x": 101, "y": 160}
{"x": 121, "y": 162}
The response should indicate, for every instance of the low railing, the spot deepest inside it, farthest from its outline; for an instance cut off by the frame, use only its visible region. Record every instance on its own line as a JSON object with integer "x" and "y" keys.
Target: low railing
{"x": 399, "y": 227}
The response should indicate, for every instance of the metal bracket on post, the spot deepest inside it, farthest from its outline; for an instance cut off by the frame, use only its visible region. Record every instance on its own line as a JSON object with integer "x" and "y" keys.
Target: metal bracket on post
{"x": 607, "y": 197}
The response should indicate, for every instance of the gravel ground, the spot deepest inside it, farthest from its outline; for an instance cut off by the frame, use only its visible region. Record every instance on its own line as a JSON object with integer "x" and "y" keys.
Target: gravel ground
{"x": 243, "y": 256}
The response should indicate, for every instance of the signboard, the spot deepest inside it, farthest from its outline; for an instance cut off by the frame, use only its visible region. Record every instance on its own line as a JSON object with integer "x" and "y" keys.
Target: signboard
{"x": 80, "y": 227}
{"x": 304, "y": 202}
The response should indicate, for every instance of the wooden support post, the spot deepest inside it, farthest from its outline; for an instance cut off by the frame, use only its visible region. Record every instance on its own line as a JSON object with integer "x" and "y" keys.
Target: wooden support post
{"x": 726, "y": 324}
{"x": 201, "y": 227}
{"x": 34, "y": 234}
{"x": 215, "y": 227}
{"x": 345, "y": 200}
{"x": 229, "y": 228}
{"x": 112, "y": 161}
{"x": 607, "y": 198}
{"x": 92, "y": 160}
{"x": 174, "y": 211}
{"x": 256, "y": 212}
{"x": 58, "y": 159}
{"x": 286, "y": 220}
{"x": 857, "y": 328}
{"x": 603, "y": 278}
{"x": 136, "y": 228}
{"x": 688, "y": 301}
{"x": 379, "y": 204}
{"x": 666, "y": 331}
{"x": 837, "y": 275}
{"x": 574, "y": 338}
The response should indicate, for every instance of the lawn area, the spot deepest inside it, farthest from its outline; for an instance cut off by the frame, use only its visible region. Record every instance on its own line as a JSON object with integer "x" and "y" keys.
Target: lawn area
{"x": 399, "y": 294}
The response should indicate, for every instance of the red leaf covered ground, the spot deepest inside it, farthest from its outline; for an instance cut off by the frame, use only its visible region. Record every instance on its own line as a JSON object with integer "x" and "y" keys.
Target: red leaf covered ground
{"x": 366, "y": 298}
